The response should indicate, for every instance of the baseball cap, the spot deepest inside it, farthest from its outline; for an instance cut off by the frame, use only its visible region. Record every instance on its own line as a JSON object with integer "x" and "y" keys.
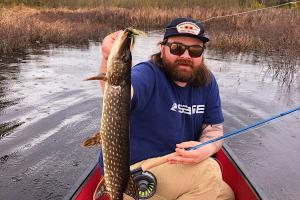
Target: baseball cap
{"x": 186, "y": 27}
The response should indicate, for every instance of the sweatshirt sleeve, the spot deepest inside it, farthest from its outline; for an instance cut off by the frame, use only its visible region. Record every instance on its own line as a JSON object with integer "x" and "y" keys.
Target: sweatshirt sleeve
{"x": 143, "y": 81}
{"x": 213, "y": 111}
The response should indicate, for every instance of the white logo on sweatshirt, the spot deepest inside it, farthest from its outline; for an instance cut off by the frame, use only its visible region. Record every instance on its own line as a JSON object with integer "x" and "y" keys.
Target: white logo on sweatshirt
{"x": 189, "y": 110}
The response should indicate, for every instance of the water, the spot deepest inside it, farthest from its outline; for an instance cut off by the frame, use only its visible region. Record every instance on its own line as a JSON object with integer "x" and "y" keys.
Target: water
{"x": 47, "y": 111}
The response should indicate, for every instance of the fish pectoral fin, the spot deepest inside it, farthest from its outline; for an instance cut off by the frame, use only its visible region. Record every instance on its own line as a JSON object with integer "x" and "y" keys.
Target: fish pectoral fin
{"x": 132, "y": 188}
{"x": 101, "y": 76}
{"x": 100, "y": 189}
{"x": 95, "y": 140}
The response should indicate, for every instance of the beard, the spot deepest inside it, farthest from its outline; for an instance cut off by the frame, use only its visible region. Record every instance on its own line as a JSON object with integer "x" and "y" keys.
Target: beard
{"x": 182, "y": 70}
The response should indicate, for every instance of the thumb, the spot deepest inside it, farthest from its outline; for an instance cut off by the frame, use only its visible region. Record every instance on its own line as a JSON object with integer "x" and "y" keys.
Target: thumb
{"x": 108, "y": 42}
{"x": 187, "y": 144}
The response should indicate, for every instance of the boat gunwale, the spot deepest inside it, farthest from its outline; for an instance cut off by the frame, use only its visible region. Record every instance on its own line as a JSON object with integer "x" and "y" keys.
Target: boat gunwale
{"x": 81, "y": 182}
{"x": 226, "y": 150}
{"x": 89, "y": 172}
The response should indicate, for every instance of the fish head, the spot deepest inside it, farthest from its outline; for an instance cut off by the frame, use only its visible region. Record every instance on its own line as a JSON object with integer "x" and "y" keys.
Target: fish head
{"x": 120, "y": 59}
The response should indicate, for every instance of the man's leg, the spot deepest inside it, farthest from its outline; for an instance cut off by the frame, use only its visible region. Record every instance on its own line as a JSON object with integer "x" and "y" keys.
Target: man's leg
{"x": 226, "y": 192}
{"x": 178, "y": 181}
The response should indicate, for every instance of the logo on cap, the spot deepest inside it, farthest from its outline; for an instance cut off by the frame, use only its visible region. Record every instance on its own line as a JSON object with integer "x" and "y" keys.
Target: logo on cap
{"x": 188, "y": 27}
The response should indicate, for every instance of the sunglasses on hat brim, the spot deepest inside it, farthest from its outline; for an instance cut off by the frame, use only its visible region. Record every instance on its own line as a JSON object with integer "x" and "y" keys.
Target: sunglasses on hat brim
{"x": 178, "y": 49}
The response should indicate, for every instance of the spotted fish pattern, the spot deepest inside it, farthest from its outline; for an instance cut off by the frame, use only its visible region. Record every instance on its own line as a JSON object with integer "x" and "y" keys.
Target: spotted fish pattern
{"x": 114, "y": 131}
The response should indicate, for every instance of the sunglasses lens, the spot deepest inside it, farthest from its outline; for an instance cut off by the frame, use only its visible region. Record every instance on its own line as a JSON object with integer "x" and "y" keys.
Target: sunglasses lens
{"x": 177, "y": 49}
{"x": 196, "y": 51}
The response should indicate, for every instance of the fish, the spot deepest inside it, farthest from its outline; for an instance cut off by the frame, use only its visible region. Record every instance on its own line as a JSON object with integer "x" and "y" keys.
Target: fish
{"x": 114, "y": 135}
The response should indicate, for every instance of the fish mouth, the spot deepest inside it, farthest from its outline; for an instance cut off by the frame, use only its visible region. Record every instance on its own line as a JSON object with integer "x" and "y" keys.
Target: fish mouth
{"x": 124, "y": 42}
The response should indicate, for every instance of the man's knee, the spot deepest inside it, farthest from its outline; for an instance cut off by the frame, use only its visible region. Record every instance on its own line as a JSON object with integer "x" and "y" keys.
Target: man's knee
{"x": 209, "y": 168}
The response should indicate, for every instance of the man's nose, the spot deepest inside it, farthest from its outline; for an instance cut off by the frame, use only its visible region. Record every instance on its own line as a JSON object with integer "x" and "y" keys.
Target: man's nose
{"x": 186, "y": 54}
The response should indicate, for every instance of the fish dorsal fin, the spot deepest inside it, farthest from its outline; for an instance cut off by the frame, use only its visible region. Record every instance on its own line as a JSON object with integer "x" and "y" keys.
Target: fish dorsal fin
{"x": 131, "y": 188}
{"x": 95, "y": 140}
{"x": 100, "y": 190}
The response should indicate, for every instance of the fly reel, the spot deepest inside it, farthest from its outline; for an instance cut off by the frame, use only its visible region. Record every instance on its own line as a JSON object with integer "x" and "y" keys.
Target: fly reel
{"x": 145, "y": 182}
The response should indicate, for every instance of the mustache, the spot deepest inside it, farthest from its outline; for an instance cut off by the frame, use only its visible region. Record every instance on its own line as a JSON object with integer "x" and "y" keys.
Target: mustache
{"x": 182, "y": 61}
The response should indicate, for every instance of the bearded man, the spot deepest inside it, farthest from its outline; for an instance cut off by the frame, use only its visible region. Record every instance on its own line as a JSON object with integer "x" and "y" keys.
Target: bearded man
{"x": 175, "y": 104}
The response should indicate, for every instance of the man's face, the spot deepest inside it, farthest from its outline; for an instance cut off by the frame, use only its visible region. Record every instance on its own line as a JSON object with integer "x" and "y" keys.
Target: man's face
{"x": 181, "y": 68}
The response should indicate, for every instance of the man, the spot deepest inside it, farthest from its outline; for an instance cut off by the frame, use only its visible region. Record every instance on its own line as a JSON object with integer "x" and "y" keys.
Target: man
{"x": 175, "y": 105}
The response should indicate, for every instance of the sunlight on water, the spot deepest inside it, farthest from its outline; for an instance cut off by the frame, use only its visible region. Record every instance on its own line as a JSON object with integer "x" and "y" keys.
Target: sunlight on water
{"x": 47, "y": 110}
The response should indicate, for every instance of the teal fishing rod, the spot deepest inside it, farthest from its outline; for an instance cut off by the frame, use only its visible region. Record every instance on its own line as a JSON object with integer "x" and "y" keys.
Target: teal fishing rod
{"x": 243, "y": 130}
{"x": 146, "y": 181}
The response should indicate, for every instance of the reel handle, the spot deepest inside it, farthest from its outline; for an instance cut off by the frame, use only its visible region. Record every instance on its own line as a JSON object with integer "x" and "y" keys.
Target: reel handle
{"x": 145, "y": 181}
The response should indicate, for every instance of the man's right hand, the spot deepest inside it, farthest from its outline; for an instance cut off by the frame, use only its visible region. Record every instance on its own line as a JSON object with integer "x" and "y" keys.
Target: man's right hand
{"x": 108, "y": 42}
{"x": 106, "y": 47}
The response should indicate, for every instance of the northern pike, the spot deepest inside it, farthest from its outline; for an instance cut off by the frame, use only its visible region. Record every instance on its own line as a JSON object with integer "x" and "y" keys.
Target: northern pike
{"x": 114, "y": 132}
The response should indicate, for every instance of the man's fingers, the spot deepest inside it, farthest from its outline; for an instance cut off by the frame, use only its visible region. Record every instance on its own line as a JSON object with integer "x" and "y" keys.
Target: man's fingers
{"x": 112, "y": 37}
{"x": 181, "y": 160}
{"x": 187, "y": 144}
{"x": 184, "y": 153}
{"x": 108, "y": 42}
{"x": 115, "y": 34}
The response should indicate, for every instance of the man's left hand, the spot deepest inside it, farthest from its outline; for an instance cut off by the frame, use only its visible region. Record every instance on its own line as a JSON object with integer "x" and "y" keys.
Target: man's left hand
{"x": 183, "y": 156}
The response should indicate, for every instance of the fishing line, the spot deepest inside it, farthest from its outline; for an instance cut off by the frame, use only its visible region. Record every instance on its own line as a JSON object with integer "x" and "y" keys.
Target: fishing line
{"x": 251, "y": 11}
{"x": 236, "y": 14}
{"x": 245, "y": 129}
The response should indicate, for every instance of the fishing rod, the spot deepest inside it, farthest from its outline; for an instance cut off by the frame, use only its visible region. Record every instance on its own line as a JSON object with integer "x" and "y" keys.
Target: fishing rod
{"x": 146, "y": 181}
{"x": 242, "y": 130}
{"x": 250, "y": 11}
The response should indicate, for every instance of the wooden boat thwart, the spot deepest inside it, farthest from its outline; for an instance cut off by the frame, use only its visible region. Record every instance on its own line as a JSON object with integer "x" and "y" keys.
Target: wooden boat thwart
{"x": 86, "y": 185}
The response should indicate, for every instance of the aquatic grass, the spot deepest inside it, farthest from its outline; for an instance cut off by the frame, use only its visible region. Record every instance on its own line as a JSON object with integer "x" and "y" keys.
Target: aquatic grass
{"x": 284, "y": 68}
{"x": 138, "y": 3}
{"x": 22, "y": 28}
{"x": 274, "y": 30}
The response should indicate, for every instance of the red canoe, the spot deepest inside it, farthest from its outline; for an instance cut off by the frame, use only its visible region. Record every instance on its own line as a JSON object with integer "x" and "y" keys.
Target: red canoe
{"x": 86, "y": 185}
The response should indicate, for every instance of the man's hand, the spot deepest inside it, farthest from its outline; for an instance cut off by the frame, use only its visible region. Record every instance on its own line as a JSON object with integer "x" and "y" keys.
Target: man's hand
{"x": 182, "y": 156}
{"x": 106, "y": 47}
{"x": 108, "y": 42}
{"x": 195, "y": 156}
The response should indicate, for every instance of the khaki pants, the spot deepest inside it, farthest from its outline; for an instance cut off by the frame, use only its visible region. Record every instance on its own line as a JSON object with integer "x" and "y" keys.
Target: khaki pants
{"x": 189, "y": 182}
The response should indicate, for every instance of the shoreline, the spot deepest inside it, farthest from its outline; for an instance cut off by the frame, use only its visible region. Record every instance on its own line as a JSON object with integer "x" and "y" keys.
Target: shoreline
{"x": 270, "y": 31}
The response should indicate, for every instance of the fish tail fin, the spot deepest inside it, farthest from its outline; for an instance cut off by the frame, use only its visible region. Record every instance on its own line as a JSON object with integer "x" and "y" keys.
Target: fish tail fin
{"x": 95, "y": 140}
{"x": 101, "y": 76}
{"x": 131, "y": 188}
{"x": 100, "y": 190}
{"x": 135, "y": 33}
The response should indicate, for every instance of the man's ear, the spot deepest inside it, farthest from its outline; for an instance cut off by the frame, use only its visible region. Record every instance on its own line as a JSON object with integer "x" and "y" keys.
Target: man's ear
{"x": 161, "y": 47}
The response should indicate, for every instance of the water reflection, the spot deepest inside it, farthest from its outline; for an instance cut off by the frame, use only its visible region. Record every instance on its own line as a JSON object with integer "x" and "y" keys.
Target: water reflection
{"x": 285, "y": 69}
{"x": 7, "y": 127}
{"x": 9, "y": 73}
{"x": 47, "y": 111}
{"x": 50, "y": 72}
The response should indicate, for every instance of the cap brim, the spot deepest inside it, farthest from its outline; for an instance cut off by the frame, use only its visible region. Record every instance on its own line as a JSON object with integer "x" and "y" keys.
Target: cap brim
{"x": 202, "y": 38}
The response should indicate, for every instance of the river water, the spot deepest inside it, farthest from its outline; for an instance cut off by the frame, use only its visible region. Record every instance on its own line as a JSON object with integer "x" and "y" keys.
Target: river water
{"x": 46, "y": 111}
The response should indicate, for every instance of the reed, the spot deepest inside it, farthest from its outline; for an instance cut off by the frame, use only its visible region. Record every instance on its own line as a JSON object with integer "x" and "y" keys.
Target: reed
{"x": 21, "y": 28}
{"x": 139, "y": 3}
{"x": 275, "y": 30}
{"x": 271, "y": 30}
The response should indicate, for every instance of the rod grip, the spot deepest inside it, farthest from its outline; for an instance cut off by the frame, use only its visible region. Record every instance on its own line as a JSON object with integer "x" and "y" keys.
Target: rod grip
{"x": 153, "y": 162}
